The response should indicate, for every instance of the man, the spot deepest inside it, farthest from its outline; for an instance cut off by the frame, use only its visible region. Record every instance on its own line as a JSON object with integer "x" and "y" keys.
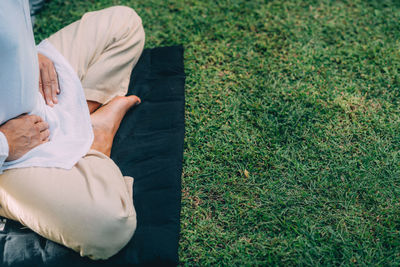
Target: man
{"x": 56, "y": 138}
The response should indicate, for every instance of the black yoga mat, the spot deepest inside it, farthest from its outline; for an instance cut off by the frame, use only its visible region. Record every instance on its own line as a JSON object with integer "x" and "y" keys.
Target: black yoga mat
{"x": 148, "y": 147}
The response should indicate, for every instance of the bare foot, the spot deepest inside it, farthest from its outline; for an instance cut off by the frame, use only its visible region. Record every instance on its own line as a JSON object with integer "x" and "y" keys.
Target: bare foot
{"x": 106, "y": 121}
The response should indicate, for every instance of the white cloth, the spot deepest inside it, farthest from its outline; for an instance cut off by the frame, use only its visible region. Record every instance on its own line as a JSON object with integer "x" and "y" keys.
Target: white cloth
{"x": 71, "y": 133}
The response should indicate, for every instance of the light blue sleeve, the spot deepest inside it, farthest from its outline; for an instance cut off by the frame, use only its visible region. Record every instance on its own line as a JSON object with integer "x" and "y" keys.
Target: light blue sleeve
{"x": 3, "y": 150}
{"x": 19, "y": 69}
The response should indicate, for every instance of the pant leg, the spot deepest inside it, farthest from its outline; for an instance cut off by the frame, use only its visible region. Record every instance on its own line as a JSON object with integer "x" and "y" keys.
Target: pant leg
{"x": 88, "y": 208}
{"x": 102, "y": 47}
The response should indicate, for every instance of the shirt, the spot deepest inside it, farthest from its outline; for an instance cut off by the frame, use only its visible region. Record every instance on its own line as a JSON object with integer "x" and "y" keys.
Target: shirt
{"x": 71, "y": 133}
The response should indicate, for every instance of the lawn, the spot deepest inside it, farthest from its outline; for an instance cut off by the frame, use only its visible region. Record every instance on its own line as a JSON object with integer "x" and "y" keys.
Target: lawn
{"x": 292, "y": 127}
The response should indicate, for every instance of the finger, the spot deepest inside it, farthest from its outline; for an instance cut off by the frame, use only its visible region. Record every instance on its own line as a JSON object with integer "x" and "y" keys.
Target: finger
{"x": 46, "y": 86}
{"x": 42, "y": 126}
{"x": 44, "y": 135}
{"x": 41, "y": 85}
{"x": 35, "y": 118}
{"x": 56, "y": 80}
{"x": 53, "y": 80}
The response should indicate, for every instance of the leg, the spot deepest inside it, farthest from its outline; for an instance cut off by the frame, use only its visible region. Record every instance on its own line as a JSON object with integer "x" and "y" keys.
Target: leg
{"x": 88, "y": 208}
{"x": 106, "y": 121}
{"x": 102, "y": 47}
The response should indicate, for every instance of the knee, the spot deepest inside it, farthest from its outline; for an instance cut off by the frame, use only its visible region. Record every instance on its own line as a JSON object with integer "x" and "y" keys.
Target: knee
{"x": 108, "y": 234}
{"x": 127, "y": 14}
{"x": 131, "y": 22}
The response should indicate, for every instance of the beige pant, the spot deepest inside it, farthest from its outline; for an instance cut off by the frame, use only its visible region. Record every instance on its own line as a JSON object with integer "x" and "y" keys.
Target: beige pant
{"x": 88, "y": 208}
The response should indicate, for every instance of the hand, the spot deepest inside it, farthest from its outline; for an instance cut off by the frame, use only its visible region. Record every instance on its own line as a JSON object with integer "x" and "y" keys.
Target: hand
{"x": 48, "y": 81}
{"x": 23, "y": 134}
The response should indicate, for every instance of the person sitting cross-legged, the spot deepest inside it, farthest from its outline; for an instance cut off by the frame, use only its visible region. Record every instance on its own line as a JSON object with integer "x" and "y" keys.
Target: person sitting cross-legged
{"x": 61, "y": 104}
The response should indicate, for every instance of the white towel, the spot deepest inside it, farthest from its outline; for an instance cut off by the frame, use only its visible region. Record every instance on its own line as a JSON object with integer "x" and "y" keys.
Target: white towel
{"x": 71, "y": 133}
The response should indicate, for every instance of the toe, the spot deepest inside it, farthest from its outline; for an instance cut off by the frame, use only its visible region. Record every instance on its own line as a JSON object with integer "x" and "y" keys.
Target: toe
{"x": 135, "y": 100}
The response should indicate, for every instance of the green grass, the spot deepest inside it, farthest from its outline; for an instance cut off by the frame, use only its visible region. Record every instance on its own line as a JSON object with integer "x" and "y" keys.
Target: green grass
{"x": 292, "y": 127}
